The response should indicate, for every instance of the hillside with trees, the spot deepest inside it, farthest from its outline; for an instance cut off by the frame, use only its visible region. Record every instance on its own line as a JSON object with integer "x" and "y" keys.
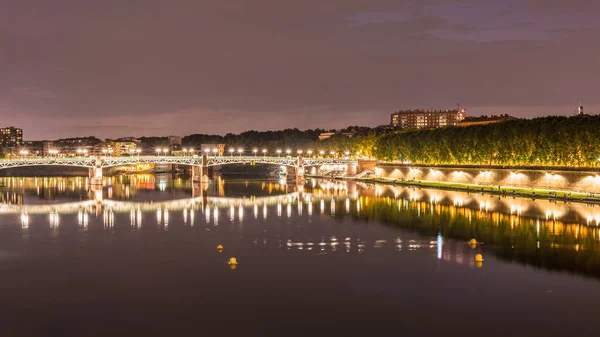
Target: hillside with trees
{"x": 545, "y": 141}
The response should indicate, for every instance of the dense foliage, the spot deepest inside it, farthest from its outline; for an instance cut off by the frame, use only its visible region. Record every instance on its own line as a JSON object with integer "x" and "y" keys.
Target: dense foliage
{"x": 551, "y": 141}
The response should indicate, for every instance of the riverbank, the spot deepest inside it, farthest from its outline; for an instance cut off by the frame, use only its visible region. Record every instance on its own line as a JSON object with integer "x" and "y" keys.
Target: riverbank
{"x": 507, "y": 191}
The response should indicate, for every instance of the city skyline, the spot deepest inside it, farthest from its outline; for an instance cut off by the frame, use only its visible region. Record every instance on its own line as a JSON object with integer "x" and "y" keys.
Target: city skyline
{"x": 155, "y": 68}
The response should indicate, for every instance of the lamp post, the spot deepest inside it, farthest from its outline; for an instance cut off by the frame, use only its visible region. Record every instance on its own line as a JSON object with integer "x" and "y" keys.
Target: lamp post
{"x": 299, "y": 152}
{"x": 157, "y": 151}
{"x": 264, "y": 151}
{"x": 288, "y": 151}
{"x": 240, "y": 152}
{"x": 231, "y": 152}
{"x": 165, "y": 150}
{"x": 110, "y": 152}
{"x": 321, "y": 153}
{"x": 278, "y": 153}
{"x": 185, "y": 152}
{"x": 332, "y": 153}
{"x": 104, "y": 151}
{"x": 254, "y": 151}
{"x": 215, "y": 151}
{"x": 309, "y": 153}
{"x": 138, "y": 152}
{"x": 78, "y": 152}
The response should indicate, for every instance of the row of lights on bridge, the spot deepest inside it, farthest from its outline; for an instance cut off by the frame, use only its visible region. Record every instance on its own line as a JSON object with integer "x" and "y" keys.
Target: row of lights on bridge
{"x": 110, "y": 151}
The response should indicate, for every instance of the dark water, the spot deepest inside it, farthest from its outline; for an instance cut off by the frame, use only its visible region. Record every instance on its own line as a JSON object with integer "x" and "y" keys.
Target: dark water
{"x": 139, "y": 257}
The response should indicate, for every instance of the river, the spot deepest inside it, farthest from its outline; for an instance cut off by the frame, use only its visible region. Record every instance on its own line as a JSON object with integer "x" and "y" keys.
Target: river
{"x": 139, "y": 257}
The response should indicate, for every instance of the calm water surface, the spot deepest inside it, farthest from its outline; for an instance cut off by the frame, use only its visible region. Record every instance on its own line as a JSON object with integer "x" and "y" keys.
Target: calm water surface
{"x": 139, "y": 257}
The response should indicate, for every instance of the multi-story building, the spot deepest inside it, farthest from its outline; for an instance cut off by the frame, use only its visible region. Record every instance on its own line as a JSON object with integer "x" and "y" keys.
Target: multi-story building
{"x": 174, "y": 141}
{"x": 210, "y": 148}
{"x": 76, "y": 146}
{"x": 124, "y": 147}
{"x": 11, "y": 137}
{"x": 418, "y": 119}
{"x": 39, "y": 148}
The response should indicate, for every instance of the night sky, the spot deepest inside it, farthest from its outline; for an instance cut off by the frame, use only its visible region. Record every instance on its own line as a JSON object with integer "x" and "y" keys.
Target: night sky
{"x": 114, "y": 68}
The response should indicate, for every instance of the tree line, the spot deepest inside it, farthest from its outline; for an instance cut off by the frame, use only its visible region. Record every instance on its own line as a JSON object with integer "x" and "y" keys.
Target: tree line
{"x": 544, "y": 141}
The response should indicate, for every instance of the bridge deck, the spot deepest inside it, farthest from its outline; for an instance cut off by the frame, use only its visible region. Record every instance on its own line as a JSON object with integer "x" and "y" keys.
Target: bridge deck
{"x": 106, "y": 161}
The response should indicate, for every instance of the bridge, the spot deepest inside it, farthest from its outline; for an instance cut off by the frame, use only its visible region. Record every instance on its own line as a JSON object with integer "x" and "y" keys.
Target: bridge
{"x": 199, "y": 164}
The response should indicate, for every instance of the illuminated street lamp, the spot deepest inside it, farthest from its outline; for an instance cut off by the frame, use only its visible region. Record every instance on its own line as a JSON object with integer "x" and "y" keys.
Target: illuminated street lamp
{"x": 185, "y": 151}
{"x": 104, "y": 151}
{"x": 165, "y": 150}
{"x": 299, "y": 151}
{"x": 110, "y": 151}
{"x": 347, "y": 153}
{"x": 138, "y": 152}
{"x": 255, "y": 151}
{"x": 321, "y": 152}
{"x": 158, "y": 151}
{"x": 288, "y": 151}
{"x": 207, "y": 151}
{"x": 309, "y": 153}
{"x": 278, "y": 152}
{"x": 240, "y": 151}
{"x": 264, "y": 151}
{"x": 332, "y": 153}
{"x": 85, "y": 152}
{"x": 231, "y": 152}
{"x": 192, "y": 151}
{"x": 131, "y": 152}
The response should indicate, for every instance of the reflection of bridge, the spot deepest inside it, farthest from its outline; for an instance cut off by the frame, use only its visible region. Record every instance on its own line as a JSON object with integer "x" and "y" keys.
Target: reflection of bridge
{"x": 174, "y": 205}
{"x": 199, "y": 164}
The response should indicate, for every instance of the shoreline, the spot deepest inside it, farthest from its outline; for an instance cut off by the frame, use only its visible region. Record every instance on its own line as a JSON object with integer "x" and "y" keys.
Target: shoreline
{"x": 506, "y": 191}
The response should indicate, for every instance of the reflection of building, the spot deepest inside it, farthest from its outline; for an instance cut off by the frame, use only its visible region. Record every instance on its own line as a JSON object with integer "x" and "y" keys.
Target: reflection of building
{"x": 11, "y": 136}
{"x": 417, "y": 119}
{"x": 483, "y": 120}
{"x": 210, "y": 148}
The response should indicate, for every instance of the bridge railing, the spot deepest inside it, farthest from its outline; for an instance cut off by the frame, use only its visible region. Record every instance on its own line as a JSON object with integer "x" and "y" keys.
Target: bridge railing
{"x": 109, "y": 161}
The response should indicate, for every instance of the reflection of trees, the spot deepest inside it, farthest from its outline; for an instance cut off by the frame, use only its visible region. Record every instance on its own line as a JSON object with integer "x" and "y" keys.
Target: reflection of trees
{"x": 549, "y": 244}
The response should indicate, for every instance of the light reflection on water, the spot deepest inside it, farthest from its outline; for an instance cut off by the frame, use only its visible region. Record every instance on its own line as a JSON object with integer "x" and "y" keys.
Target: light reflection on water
{"x": 278, "y": 229}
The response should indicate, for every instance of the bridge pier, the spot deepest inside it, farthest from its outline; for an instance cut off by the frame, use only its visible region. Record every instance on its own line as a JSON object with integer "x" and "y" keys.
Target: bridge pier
{"x": 300, "y": 170}
{"x": 95, "y": 173}
{"x": 351, "y": 170}
{"x": 200, "y": 174}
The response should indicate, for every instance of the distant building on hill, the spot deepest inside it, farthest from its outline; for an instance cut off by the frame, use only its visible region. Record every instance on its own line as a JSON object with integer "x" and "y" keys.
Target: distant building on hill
{"x": 483, "y": 120}
{"x": 326, "y": 135}
{"x": 419, "y": 119}
{"x": 175, "y": 140}
{"x": 11, "y": 136}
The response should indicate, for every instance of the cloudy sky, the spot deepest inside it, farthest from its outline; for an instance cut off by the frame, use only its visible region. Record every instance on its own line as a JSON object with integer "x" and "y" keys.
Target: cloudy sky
{"x": 157, "y": 67}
